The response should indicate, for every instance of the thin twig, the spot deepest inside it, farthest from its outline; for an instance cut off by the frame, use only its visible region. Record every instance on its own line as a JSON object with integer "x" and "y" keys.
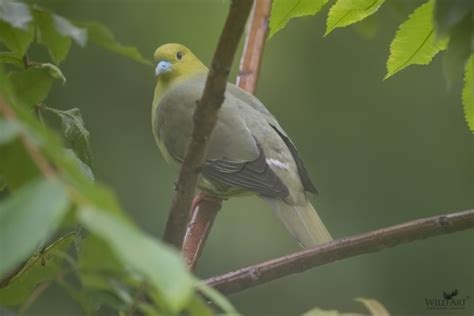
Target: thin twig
{"x": 373, "y": 241}
{"x": 205, "y": 118}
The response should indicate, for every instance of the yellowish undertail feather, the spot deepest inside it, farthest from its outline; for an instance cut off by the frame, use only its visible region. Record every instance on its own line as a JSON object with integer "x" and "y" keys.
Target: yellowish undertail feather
{"x": 302, "y": 221}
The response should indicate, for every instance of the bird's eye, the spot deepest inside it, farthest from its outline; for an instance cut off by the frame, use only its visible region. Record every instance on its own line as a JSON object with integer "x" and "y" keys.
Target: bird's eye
{"x": 179, "y": 55}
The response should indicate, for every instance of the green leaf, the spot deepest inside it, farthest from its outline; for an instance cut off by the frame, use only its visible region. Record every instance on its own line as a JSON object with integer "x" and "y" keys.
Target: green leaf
{"x": 35, "y": 210}
{"x": 44, "y": 266}
{"x": 284, "y": 10}
{"x": 415, "y": 41}
{"x": 16, "y": 40}
{"x": 198, "y": 307}
{"x": 77, "y": 136}
{"x": 346, "y": 12}
{"x": 32, "y": 85}
{"x": 15, "y": 13}
{"x": 375, "y": 307}
{"x": 99, "y": 267}
{"x": 86, "y": 170}
{"x": 144, "y": 255}
{"x": 217, "y": 298}
{"x": 66, "y": 28}
{"x": 103, "y": 37}
{"x": 58, "y": 44}
{"x": 51, "y": 145}
{"x": 8, "y": 131}
{"x": 468, "y": 93}
{"x": 448, "y": 13}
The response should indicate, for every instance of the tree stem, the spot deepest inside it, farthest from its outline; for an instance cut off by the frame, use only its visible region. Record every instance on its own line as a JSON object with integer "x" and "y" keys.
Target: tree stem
{"x": 205, "y": 208}
{"x": 205, "y": 118}
{"x": 347, "y": 247}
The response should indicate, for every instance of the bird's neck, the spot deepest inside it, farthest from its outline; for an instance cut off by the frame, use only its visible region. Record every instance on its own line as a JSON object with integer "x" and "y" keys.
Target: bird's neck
{"x": 167, "y": 82}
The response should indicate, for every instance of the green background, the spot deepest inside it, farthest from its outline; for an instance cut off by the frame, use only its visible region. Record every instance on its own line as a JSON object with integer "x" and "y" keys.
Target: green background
{"x": 379, "y": 152}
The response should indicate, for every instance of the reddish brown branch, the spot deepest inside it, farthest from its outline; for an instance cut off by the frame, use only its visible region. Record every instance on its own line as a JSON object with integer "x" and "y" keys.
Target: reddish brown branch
{"x": 205, "y": 119}
{"x": 203, "y": 214}
{"x": 254, "y": 45}
{"x": 204, "y": 211}
{"x": 340, "y": 249}
{"x": 40, "y": 161}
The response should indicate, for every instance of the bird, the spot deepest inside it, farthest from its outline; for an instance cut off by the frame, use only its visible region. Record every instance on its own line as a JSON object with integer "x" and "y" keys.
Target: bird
{"x": 248, "y": 151}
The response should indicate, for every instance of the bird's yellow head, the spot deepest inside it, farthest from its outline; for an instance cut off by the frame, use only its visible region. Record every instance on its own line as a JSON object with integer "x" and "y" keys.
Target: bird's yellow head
{"x": 176, "y": 61}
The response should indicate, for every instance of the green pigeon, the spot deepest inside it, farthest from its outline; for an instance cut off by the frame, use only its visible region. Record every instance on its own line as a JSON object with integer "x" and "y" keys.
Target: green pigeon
{"x": 248, "y": 152}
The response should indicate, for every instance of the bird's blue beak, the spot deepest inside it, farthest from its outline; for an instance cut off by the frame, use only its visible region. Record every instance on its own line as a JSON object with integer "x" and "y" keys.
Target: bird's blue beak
{"x": 162, "y": 67}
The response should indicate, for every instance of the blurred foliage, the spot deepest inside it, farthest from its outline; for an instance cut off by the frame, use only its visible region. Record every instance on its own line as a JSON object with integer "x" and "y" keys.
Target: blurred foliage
{"x": 112, "y": 264}
{"x": 426, "y": 32}
{"x": 375, "y": 309}
{"x": 117, "y": 265}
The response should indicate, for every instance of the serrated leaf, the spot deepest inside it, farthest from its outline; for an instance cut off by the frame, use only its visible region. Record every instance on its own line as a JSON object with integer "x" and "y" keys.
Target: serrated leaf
{"x": 284, "y": 10}
{"x": 37, "y": 208}
{"x": 415, "y": 41}
{"x": 66, "y": 28}
{"x": 41, "y": 267}
{"x": 144, "y": 255}
{"x": 448, "y": 13}
{"x": 347, "y": 12}
{"x": 375, "y": 307}
{"x": 31, "y": 85}
{"x": 76, "y": 135}
{"x": 98, "y": 266}
{"x": 15, "y": 39}
{"x": 8, "y": 131}
{"x": 103, "y": 37}
{"x": 15, "y": 13}
{"x": 468, "y": 93}
{"x": 47, "y": 34}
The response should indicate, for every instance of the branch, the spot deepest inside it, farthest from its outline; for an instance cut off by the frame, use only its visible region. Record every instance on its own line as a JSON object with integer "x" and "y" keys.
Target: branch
{"x": 374, "y": 241}
{"x": 205, "y": 118}
{"x": 254, "y": 44}
{"x": 205, "y": 208}
{"x": 36, "y": 156}
{"x": 203, "y": 212}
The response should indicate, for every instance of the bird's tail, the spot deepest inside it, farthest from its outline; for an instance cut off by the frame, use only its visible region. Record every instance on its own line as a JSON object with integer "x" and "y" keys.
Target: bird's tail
{"x": 302, "y": 221}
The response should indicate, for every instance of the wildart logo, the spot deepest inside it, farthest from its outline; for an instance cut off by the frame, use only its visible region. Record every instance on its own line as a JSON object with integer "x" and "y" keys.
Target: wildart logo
{"x": 450, "y": 295}
{"x": 449, "y": 300}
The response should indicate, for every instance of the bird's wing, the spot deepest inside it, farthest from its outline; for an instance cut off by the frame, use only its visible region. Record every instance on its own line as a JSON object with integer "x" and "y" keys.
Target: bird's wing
{"x": 254, "y": 103}
{"x": 234, "y": 158}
